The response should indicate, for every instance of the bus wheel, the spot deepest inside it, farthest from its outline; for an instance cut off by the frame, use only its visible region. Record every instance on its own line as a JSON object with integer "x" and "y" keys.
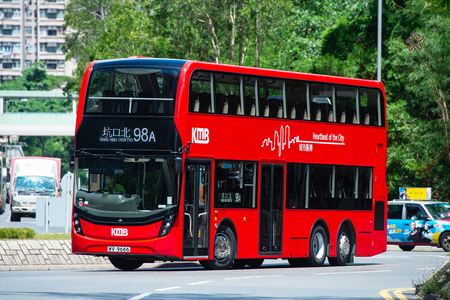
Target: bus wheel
{"x": 406, "y": 247}
{"x": 444, "y": 240}
{"x": 343, "y": 249}
{"x": 318, "y": 247}
{"x": 224, "y": 249}
{"x": 126, "y": 264}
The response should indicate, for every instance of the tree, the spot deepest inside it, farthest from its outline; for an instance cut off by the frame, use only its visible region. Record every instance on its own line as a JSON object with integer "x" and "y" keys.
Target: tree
{"x": 32, "y": 79}
{"x": 37, "y": 79}
{"x": 423, "y": 75}
{"x": 327, "y": 37}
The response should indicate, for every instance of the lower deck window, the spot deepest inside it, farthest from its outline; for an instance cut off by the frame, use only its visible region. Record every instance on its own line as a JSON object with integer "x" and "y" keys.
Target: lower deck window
{"x": 313, "y": 186}
{"x": 235, "y": 184}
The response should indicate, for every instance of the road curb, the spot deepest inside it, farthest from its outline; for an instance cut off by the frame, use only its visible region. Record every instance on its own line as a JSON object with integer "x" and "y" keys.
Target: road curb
{"x": 21, "y": 255}
{"x": 43, "y": 255}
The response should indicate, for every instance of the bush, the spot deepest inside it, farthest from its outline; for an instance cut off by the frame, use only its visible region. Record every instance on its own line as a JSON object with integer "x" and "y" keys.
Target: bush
{"x": 17, "y": 233}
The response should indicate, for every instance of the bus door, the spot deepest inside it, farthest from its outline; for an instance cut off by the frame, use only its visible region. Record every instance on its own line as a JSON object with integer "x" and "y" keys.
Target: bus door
{"x": 196, "y": 209}
{"x": 271, "y": 209}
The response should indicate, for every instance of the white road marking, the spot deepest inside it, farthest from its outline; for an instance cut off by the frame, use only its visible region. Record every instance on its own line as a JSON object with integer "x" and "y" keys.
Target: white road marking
{"x": 200, "y": 282}
{"x": 168, "y": 289}
{"x": 251, "y": 277}
{"x": 144, "y": 295}
{"x": 352, "y": 272}
{"x": 140, "y": 296}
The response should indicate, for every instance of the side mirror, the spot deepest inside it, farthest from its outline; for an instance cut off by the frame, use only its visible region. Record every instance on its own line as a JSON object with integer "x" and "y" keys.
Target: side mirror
{"x": 178, "y": 164}
{"x": 72, "y": 163}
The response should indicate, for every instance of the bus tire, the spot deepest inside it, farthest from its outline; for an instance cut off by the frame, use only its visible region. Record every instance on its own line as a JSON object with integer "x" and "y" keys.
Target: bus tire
{"x": 444, "y": 241}
{"x": 224, "y": 249}
{"x": 317, "y": 247}
{"x": 126, "y": 264}
{"x": 406, "y": 247}
{"x": 343, "y": 248}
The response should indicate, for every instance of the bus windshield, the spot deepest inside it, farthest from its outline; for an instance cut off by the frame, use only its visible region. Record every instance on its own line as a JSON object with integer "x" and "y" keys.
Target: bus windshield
{"x": 136, "y": 186}
{"x": 438, "y": 211}
{"x": 137, "y": 90}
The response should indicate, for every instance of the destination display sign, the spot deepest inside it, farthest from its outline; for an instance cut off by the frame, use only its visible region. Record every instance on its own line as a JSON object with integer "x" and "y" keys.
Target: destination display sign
{"x": 123, "y": 133}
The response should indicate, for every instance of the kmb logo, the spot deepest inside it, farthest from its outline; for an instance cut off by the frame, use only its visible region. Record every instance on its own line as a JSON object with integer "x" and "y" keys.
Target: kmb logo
{"x": 200, "y": 135}
{"x": 119, "y": 231}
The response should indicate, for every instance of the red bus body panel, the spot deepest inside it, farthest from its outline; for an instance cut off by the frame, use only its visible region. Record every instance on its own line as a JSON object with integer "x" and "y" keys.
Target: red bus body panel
{"x": 263, "y": 140}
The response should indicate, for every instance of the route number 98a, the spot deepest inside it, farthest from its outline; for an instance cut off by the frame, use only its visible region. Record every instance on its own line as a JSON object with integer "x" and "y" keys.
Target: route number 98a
{"x": 144, "y": 135}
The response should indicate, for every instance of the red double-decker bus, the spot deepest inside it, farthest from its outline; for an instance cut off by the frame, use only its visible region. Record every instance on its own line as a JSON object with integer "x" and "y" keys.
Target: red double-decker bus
{"x": 227, "y": 165}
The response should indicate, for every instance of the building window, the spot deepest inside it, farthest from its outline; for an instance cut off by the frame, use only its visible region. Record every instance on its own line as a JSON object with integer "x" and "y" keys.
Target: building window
{"x": 6, "y": 49}
{"x": 16, "y": 48}
{"x": 6, "y": 30}
{"x": 52, "y": 31}
{"x": 7, "y": 63}
{"x": 16, "y": 13}
{"x": 29, "y": 48}
{"x": 51, "y": 65}
{"x": 16, "y": 30}
{"x": 7, "y": 13}
{"x": 16, "y": 63}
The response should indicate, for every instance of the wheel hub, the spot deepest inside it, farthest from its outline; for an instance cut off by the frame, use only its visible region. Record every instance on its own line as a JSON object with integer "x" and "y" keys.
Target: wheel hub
{"x": 221, "y": 247}
{"x": 344, "y": 245}
{"x": 319, "y": 246}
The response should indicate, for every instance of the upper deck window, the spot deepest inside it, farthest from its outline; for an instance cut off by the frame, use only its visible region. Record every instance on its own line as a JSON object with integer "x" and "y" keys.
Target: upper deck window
{"x": 322, "y": 102}
{"x": 297, "y": 107}
{"x": 132, "y": 90}
{"x": 271, "y": 97}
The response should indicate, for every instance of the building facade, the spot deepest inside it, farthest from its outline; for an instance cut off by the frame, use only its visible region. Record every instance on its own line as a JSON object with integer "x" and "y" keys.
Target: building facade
{"x": 32, "y": 30}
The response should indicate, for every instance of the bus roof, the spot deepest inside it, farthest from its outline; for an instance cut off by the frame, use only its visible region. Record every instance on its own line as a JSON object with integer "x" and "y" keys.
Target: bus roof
{"x": 193, "y": 65}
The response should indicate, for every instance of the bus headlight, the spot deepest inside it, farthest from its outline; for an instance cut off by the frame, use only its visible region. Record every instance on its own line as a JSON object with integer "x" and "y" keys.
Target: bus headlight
{"x": 77, "y": 224}
{"x": 167, "y": 224}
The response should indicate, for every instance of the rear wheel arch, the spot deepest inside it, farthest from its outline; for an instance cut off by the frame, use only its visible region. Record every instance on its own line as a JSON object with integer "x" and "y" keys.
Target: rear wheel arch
{"x": 352, "y": 233}
{"x": 345, "y": 244}
{"x": 224, "y": 249}
{"x": 323, "y": 224}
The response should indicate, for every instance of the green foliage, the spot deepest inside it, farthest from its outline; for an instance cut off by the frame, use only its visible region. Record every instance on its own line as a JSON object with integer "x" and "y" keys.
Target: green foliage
{"x": 36, "y": 78}
{"x": 437, "y": 284}
{"x": 327, "y": 37}
{"x": 32, "y": 79}
{"x": 17, "y": 233}
{"x": 52, "y": 146}
{"x": 418, "y": 84}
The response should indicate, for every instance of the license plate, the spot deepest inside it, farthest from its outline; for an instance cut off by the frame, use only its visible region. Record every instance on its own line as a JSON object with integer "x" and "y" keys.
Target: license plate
{"x": 118, "y": 249}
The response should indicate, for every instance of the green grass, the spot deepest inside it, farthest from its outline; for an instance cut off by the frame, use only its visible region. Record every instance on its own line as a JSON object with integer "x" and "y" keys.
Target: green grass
{"x": 29, "y": 234}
